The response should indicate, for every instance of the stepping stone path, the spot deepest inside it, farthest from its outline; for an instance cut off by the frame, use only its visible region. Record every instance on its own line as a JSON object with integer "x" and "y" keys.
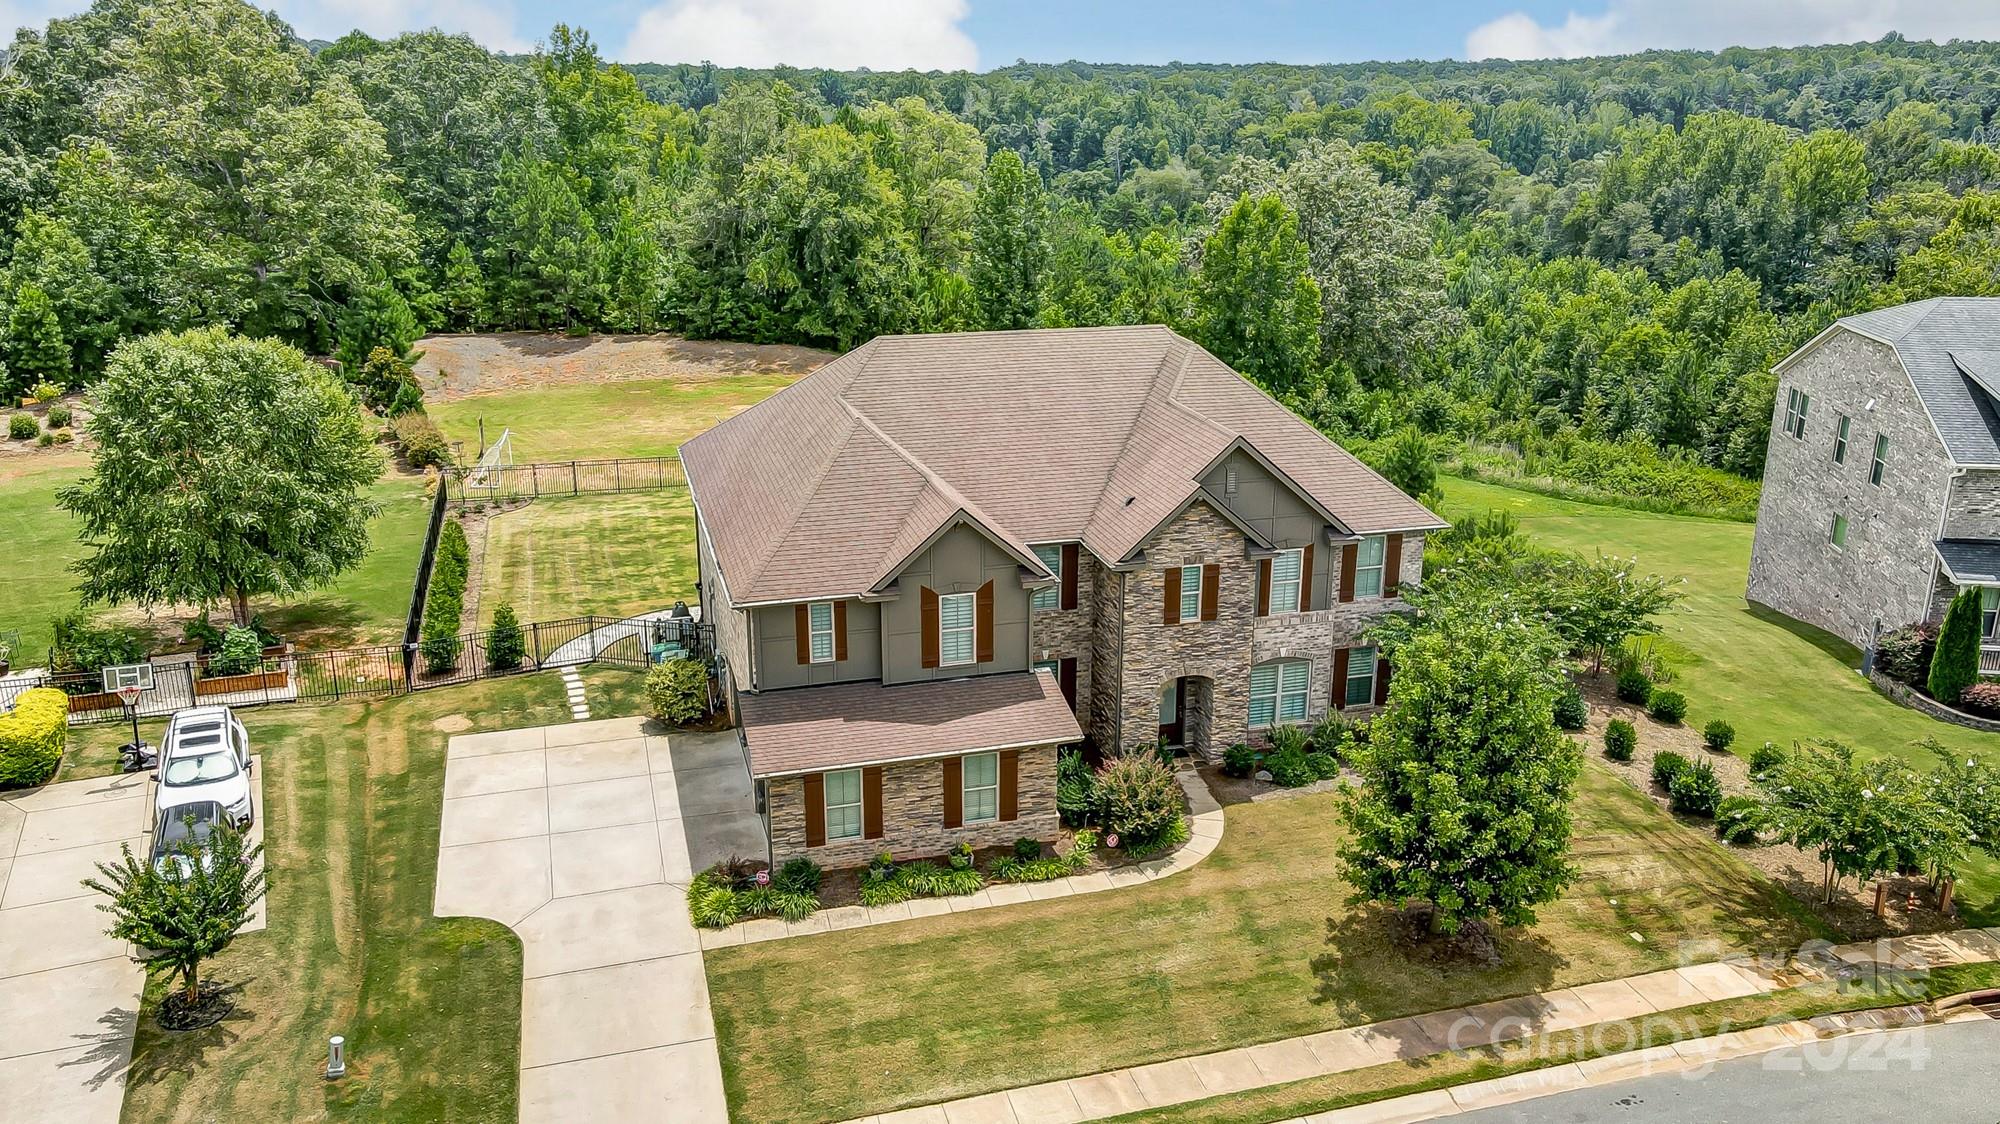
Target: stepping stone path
{"x": 579, "y": 706}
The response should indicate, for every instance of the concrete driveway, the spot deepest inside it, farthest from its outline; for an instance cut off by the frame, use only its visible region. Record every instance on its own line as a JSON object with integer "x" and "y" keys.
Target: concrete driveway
{"x": 573, "y": 836}
{"x": 718, "y": 812}
{"x": 69, "y": 994}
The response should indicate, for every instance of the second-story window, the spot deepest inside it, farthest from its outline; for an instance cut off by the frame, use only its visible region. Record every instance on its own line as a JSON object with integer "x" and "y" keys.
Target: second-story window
{"x": 1797, "y": 402}
{"x": 819, "y": 631}
{"x": 1369, "y": 559}
{"x": 1840, "y": 440}
{"x": 1838, "y": 534}
{"x": 1876, "y": 469}
{"x": 957, "y": 628}
{"x": 1286, "y": 566}
{"x": 1190, "y": 594}
{"x": 1049, "y": 597}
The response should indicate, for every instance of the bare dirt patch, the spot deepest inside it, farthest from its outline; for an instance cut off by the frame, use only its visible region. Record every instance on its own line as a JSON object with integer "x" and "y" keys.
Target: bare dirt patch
{"x": 461, "y": 366}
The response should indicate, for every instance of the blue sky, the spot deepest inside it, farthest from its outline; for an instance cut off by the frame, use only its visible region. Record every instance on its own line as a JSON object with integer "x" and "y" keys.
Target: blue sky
{"x": 889, "y": 34}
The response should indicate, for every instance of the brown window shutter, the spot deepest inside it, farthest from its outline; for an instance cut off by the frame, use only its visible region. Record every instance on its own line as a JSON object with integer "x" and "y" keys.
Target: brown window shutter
{"x": 1347, "y": 573}
{"x": 1263, "y": 587}
{"x": 815, "y": 809}
{"x": 871, "y": 802}
{"x": 1339, "y": 679}
{"x": 982, "y": 623}
{"x": 1211, "y": 590}
{"x": 1306, "y": 578}
{"x": 1392, "y": 565}
{"x": 1381, "y": 682}
{"x": 840, "y": 630}
{"x": 1066, "y": 676}
{"x": 1010, "y": 784}
{"x": 1171, "y": 613}
{"x": 800, "y": 627}
{"x": 1069, "y": 561}
{"x": 928, "y": 605}
{"x": 954, "y": 792}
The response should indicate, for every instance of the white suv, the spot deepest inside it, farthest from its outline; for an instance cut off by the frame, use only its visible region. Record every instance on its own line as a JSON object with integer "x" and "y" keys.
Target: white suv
{"x": 205, "y": 756}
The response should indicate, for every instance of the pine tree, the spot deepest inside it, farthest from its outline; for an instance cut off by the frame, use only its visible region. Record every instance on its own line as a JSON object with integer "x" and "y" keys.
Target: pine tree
{"x": 464, "y": 291}
{"x": 1009, "y": 244}
{"x": 1955, "y": 663}
{"x": 377, "y": 317}
{"x": 35, "y": 348}
{"x": 505, "y": 645}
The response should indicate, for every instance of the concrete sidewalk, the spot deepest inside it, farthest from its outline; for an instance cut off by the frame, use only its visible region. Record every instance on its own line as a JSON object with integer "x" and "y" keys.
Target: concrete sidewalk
{"x": 572, "y": 836}
{"x": 1183, "y": 1080}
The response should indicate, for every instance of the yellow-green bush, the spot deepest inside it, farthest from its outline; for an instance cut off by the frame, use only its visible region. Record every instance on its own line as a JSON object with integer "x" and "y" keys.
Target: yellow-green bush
{"x": 32, "y": 737}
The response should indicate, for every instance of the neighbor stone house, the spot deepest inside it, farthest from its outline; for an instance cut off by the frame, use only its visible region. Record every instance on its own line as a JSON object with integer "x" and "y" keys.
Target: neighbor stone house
{"x": 939, "y": 558}
{"x": 1881, "y": 491}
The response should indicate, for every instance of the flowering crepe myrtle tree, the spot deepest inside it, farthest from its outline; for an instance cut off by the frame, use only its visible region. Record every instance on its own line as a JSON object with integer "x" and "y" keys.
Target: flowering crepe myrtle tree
{"x": 1862, "y": 819}
{"x": 187, "y": 909}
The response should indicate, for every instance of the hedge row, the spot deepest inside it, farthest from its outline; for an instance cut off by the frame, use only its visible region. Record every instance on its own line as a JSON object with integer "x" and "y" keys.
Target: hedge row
{"x": 33, "y": 736}
{"x": 445, "y": 603}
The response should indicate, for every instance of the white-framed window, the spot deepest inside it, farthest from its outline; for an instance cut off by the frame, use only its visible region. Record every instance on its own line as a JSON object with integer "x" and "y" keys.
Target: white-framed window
{"x": 1838, "y": 532}
{"x": 1881, "y": 461}
{"x": 957, "y": 628}
{"x": 819, "y": 631}
{"x": 1840, "y": 439}
{"x": 979, "y": 774}
{"x": 843, "y": 804}
{"x": 1797, "y": 403}
{"x": 1370, "y": 558}
{"x": 1989, "y": 612}
{"x": 1278, "y": 692}
{"x": 1051, "y": 596}
{"x": 1286, "y": 568}
{"x": 1360, "y": 687}
{"x": 1190, "y": 594}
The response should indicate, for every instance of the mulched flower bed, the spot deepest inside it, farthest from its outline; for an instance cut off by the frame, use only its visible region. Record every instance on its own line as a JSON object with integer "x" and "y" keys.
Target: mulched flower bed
{"x": 843, "y": 886}
{"x": 211, "y": 1005}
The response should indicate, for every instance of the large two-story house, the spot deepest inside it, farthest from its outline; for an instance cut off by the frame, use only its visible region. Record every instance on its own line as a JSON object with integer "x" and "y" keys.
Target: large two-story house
{"x": 1882, "y": 484}
{"x": 938, "y": 558}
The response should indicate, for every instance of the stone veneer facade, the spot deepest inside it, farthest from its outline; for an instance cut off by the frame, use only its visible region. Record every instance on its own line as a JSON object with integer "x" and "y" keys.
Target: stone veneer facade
{"x": 913, "y": 814}
{"x": 1886, "y": 575}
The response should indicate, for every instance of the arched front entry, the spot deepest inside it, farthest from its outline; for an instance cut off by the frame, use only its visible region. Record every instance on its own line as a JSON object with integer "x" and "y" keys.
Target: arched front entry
{"x": 1187, "y": 713}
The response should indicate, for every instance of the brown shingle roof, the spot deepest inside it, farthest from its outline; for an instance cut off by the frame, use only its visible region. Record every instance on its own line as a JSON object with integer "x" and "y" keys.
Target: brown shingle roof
{"x": 1038, "y": 436}
{"x": 808, "y": 729}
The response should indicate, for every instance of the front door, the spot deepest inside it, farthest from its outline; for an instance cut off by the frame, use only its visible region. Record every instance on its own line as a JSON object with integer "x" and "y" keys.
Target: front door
{"x": 1172, "y": 696}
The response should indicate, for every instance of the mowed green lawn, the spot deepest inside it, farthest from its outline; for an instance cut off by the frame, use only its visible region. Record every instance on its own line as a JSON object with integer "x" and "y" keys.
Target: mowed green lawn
{"x": 430, "y": 1006}
{"x": 1252, "y": 945}
{"x": 1773, "y": 679}
{"x": 614, "y": 554}
{"x": 636, "y": 418}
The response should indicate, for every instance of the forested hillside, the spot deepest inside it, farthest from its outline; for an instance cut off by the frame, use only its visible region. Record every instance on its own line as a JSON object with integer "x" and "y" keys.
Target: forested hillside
{"x": 1589, "y": 264}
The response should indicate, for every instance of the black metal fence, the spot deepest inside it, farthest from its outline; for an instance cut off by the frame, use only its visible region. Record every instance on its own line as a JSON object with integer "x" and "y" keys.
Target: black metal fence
{"x": 384, "y": 669}
{"x": 565, "y": 478}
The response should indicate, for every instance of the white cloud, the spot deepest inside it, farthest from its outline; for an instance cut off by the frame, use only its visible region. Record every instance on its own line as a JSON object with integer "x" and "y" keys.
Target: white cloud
{"x": 1637, "y": 25}
{"x": 841, "y": 34}
{"x": 492, "y": 25}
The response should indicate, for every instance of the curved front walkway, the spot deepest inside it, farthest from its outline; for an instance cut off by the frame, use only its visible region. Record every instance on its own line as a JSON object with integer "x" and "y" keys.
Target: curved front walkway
{"x": 573, "y": 837}
{"x": 1205, "y": 831}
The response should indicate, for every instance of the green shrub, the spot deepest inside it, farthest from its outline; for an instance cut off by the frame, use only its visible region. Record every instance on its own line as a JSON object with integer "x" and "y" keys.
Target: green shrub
{"x": 1982, "y": 697}
{"x": 716, "y": 900}
{"x": 1027, "y": 849}
{"x": 419, "y": 441}
{"x": 798, "y": 876}
{"x": 1571, "y": 713}
{"x": 1137, "y": 796}
{"x": 505, "y": 646}
{"x": 45, "y": 440}
{"x": 1955, "y": 664}
{"x": 239, "y": 654}
{"x": 884, "y": 889}
{"x": 440, "y": 650}
{"x": 1286, "y": 759}
{"x": 1764, "y": 758}
{"x": 33, "y": 736}
{"x": 929, "y": 880}
{"x": 60, "y": 416}
{"x": 1667, "y": 706}
{"x": 1620, "y": 739}
{"x": 1324, "y": 766}
{"x": 1166, "y": 839}
{"x": 1329, "y": 732}
{"x": 1015, "y": 868}
{"x": 711, "y": 906}
{"x": 23, "y": 427}
{"x": 1718, "y": 735}
{"x": 444, "y": 602}
{"x": 1239, "y": 760}
{"x": 1076, "y": 788}
{"x": 677, "y": 691}
{"x": 1905, "y": 654}
{"x": 1666, "y": 766}
{"x": 960, "y": 857}
{"x": 1694, "y": 790}
{"x": 1634, "y": 687}
{"x": 84, "y": 648}
{"x": 1739, "y": 820}
{"x": 203, "y": 634}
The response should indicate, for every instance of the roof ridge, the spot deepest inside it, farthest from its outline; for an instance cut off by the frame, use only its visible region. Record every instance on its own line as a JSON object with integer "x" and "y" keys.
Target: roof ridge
{"x": 798, "y": 512}
{"x": 944, "y": 487}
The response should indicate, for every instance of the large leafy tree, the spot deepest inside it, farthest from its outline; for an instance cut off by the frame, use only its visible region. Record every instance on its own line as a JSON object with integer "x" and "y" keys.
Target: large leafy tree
{"x": 1256, "y": 303}
{"x": 1861, "y": 819}
{"x": 222, "y": 468}
{"x": 1009, "y": 243}
{"x": 1467, "y": 781}
{"x": 33, "y": 346}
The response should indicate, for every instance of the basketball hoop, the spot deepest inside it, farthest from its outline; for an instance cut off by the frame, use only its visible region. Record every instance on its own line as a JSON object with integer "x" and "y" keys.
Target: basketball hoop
{"x": 129, "y": 695}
